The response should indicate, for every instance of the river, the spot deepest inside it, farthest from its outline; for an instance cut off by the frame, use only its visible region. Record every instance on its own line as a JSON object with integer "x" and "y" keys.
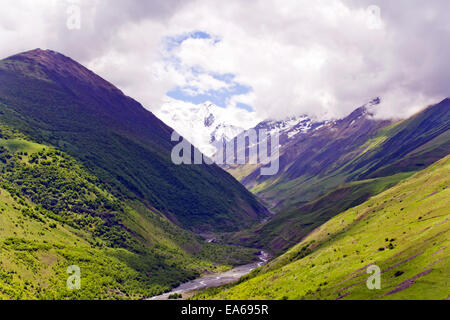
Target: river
{"x": 215, "y": 280}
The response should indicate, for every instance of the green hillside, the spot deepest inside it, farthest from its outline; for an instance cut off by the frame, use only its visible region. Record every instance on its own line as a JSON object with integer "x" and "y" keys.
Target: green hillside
{"x": 403, "y": 230}
{"x": 322, "y": 182}
{"x": 355, "y": 148}
{"x": 54, "y": 213}
{"x": 291, "y": 225}
{"x": 57, "y": 102}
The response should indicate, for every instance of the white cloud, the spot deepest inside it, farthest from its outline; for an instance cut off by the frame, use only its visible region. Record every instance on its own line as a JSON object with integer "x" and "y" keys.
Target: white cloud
{"x": 204, "y": 82}
{"x": 322, "y": 58}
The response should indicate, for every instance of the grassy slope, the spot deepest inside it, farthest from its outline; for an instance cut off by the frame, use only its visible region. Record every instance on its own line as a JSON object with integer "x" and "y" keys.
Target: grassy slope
{"x": 404, "y": 230}
{"x": 288, "y": 227}
{"x": 377, "y": 164}
{"x": 126, "y": 146}
{"x": 405, "y": 146}
{"x": 54, "y": 213}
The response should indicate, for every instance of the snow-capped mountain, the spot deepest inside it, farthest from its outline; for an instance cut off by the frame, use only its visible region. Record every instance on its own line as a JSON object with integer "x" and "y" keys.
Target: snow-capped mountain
{"x": 295, "y": 125}
{"x": 287, "y": 129}
{"x": 204, "y": 125}
{"x": 290, "y": 126}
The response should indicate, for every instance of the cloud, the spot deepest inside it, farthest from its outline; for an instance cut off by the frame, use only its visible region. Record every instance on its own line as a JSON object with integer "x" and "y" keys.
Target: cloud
{"x": 325, "y": 58}
{"x": 322, "y": 58}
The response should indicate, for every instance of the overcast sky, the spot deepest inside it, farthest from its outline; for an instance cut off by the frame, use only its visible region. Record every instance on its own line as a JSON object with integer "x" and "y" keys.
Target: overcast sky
{"x": 276, "y": 57}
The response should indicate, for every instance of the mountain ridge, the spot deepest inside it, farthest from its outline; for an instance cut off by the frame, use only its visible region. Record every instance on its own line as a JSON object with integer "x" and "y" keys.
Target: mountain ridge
{"x": 86, "y": 179}
{"x": 341, "y": 165}
{"x": 204, "y": 125}
{"x": 125, "y": 144}
{"x": 403, "y": 231}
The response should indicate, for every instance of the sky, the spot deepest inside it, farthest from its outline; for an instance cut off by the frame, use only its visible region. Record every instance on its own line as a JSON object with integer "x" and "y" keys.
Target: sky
{"x": 269, "y": 58}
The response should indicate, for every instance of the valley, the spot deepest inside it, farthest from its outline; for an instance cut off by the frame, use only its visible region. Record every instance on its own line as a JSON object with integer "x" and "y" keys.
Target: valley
{"x": 403, "y": 230}
{"x": 87, "y": 180}
{"x": 339, "y": 166}
{"x": 188, "y": 289}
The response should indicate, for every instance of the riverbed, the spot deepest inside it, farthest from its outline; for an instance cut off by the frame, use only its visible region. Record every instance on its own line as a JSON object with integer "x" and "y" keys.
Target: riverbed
{"x": 215, "y": 280}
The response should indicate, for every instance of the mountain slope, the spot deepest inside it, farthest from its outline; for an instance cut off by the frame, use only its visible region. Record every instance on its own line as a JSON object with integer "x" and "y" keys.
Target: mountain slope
{"x": 204, "y": 125}
{"x": 287, "y": 130}
{"x": 54, "y": 214}
{"x": 290, "y": 226}
{"x": 354, "y": 148}
{"x": 86, "y": 180}
{"x": 56, "y": 101}
{"x": 409, "y": 145}
{"x": 342, "y": 165}
{"x": 404, "y": 230}
{"x": 309, "y": 161}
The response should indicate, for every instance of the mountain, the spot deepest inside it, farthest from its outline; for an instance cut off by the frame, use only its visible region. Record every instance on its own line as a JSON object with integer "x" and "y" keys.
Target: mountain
{"x": 287, "y": 129}
{"x": 341, "y": 165}
{"x": 349, "y": 149}
{"x": 319, "y": 148}
{"x": 207, "y": 126}
{"x": 204, "y": 125}
{"x": 290, "y": 127}
{"x": 56, "y": 101}
{"x": 86, "y": 179}
{"x": 403, "y": 231}
{"x": 54, "y": 213}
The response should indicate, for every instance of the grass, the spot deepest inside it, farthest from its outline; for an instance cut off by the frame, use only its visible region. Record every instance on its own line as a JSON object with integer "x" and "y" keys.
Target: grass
{"x": 54, "y": 213}
{"x": 86, "y": 179}
{"x": 403, "y": 230}
{"x": 20, "y": 145}
{"x": 122, "y": 144}
{"x": 239, "y": 172}
{"x": 326, "y": 159}
{"x": 294, "y": 223}
{"x": 36, "y": 251}
{"x": 330, "y": 181}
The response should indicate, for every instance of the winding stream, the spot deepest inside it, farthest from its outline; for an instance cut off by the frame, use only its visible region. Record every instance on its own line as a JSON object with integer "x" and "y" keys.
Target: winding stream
{"x": 217, "y": 279}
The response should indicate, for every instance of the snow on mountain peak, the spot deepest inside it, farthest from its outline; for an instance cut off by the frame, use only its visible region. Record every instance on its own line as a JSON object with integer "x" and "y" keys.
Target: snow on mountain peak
{"x": 290, "y": 126}
{"x": 204, "y": 125}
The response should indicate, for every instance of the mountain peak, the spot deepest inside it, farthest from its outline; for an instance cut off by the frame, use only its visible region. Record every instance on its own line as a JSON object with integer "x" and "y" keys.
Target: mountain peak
{"x": 46, "y": 58}
{"x": 365, "y": 110}
{"x": 37, "y": 54}
{"x": 53, "y": 65}
{"x": 204, "y": 125}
